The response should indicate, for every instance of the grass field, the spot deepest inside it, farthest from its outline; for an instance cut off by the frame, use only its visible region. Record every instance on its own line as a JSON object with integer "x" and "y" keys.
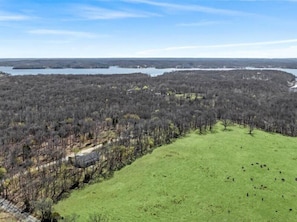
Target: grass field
{"x": 5, "y": 217}
{"x": 221, "y": 176}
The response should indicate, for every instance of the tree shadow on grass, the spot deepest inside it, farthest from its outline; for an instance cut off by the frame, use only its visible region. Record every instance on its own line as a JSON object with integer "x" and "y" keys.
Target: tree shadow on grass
{"x": 227, "y": 130}
{"x": 251, "y": 134}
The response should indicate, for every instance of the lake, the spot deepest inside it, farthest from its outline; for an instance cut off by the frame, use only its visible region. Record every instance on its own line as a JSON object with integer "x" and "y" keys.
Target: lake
{"x": 118, "y": 70}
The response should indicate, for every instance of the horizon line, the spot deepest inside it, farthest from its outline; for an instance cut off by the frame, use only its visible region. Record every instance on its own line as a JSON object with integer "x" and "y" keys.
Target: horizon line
{"x": 45, "y": 58}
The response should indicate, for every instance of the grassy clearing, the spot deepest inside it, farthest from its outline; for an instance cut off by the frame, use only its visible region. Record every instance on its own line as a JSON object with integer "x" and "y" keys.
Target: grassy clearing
{"x": 5, "y": 217}
{"x": 222, "y": 176}
{"x": 190, "y": 96}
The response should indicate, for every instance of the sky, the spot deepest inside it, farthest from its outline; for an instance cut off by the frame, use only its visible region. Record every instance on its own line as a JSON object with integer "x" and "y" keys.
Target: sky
{"x": 148, "y": 29}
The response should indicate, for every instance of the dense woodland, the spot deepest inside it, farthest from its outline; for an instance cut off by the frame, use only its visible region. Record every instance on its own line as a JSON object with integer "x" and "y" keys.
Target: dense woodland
{"x": 149, "y": 62}
{"x": 43, "y": 118}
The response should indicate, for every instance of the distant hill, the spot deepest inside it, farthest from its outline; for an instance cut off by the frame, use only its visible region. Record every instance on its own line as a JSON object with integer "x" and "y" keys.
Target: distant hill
{"x": 149, "y": 62}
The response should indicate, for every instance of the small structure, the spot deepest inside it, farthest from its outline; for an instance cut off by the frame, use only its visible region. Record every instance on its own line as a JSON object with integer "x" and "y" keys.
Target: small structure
{"x": 293, "y": 88}
{"x": 83, "y": 160}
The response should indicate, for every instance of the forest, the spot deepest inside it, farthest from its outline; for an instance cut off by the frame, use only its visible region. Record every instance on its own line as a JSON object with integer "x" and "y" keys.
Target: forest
{"x": 149, "y": 62}
{"x": 45, "y": 118}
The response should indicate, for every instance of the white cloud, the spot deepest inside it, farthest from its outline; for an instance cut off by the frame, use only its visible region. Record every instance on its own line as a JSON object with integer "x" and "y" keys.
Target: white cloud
{"x": 187, "y": 7}
{"x": 201, "y": 23}
{"x": 97, "y": 13}
{"x": 62, "y": 32}
{"x": 280, "y": 48}
{"x": 12, "y": 17}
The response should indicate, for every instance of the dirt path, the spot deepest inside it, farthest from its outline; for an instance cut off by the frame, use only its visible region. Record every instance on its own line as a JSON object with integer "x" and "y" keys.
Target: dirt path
{"x": 12, "y": 209}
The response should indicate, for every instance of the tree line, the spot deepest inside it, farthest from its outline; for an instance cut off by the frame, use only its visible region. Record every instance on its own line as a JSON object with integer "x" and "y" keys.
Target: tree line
{"x": 149, "y": 62}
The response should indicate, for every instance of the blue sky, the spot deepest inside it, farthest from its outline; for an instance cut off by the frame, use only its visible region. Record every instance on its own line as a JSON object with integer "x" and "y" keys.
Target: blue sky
{"x": 148, "y": 28}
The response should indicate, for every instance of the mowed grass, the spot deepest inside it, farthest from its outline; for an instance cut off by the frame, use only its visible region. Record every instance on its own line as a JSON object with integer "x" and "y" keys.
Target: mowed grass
{"x": 221, "y": 176}
{"x": 5, "y": 217}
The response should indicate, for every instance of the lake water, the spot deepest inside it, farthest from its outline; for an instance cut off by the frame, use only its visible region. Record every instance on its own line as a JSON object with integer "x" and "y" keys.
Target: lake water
{"x": 117, "y": 70}
{"x": 110, "y": 70}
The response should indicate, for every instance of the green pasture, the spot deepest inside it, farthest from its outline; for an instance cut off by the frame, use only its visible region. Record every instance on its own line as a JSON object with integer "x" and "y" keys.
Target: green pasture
{"x": 221, "y": 176}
